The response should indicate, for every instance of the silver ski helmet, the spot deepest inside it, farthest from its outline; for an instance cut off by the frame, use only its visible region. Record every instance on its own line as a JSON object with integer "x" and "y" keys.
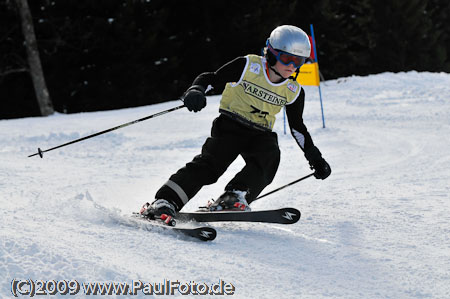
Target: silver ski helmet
{"x": 288, "y": 39}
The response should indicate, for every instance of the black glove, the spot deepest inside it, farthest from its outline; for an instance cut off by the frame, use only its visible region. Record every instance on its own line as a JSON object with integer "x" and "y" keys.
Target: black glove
{"x": 194, "y": 98}
{"x": 321, "y": 167}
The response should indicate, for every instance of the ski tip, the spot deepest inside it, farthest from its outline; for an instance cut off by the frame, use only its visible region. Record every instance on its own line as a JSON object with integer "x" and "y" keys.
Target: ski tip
{"x": 290, "y": 215}
{"x": 206, "y": 233}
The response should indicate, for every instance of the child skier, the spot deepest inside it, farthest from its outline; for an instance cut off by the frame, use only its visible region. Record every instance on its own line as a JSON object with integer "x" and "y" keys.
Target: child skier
{"x": 255, "y": 89}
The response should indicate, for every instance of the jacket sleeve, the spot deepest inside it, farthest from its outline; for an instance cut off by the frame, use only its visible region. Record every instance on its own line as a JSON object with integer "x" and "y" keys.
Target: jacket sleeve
{"x": 229, "y": 72}
{"x": 298, "y": 129}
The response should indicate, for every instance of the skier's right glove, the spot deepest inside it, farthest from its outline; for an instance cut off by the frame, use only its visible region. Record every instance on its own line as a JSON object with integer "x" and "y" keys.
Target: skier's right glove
{"x": 321, "y": 167}
{"x": 194, "y": 98}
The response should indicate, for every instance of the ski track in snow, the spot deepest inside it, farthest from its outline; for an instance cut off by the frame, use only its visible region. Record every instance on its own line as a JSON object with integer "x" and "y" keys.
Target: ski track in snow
{"x": 379, "y": 227}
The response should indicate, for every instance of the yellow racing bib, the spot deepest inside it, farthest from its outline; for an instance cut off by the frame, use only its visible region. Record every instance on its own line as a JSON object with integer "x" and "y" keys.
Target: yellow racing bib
{"x": 254, "y": 99}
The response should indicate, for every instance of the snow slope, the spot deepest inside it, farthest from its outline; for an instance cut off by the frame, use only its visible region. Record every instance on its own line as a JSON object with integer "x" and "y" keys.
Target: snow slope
{"x": 378, "y": 227}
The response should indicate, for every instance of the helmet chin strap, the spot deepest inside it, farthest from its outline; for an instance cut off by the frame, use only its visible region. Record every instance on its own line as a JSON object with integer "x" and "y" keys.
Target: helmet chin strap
{"x": 275, "y": 71}
{"x": 297, "y": 71}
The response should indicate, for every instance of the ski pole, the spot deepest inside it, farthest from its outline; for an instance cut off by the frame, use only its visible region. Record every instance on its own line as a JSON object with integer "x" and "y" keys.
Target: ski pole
{"x": 287, "y": 185}
{"x": 41, "y": 152}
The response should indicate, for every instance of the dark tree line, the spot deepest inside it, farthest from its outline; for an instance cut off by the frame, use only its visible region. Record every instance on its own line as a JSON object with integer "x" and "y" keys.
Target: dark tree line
{"x": 108, "y": 54}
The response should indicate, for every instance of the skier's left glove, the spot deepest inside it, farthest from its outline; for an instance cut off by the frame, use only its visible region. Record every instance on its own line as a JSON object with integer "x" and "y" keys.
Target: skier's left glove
{"x": 194, "y": 98}
{"x": 321, "y": 167}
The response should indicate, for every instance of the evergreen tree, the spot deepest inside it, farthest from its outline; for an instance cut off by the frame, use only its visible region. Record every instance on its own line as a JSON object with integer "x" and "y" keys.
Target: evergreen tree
{"x": 439, "y": 12}
{"x": 404, "y": 35}
{"x": 108, "y": 54}
{"x": 344, "y": 38}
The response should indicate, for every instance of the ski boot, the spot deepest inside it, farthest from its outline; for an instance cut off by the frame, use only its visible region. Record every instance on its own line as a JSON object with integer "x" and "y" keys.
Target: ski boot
{"x": 160, "y": 209}
{"x": 230, "y": 201}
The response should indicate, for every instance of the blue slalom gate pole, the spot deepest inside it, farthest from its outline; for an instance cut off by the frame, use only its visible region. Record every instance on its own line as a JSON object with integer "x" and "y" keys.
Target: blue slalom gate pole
{"x": 317, "y": 60}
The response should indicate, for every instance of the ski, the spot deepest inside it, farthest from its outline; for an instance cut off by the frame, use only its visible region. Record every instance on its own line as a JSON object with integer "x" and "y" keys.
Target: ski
{"x": 282, "y": 216}
{"x": 203, "y": 233}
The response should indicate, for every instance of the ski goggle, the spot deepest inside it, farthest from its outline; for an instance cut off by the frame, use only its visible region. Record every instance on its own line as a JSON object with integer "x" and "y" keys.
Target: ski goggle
{"x": 286, "y": 58}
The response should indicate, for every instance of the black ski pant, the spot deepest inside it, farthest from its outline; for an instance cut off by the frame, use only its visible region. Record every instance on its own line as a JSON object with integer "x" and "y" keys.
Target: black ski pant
{"x": 228, "y": 140}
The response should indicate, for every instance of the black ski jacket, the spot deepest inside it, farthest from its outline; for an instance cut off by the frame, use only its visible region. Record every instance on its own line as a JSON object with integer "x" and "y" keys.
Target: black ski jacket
{"x": 232, "y": 71}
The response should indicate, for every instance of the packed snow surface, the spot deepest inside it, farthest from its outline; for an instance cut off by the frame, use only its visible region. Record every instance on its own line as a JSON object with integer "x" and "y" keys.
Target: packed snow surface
{"x": 378, "y": 227}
